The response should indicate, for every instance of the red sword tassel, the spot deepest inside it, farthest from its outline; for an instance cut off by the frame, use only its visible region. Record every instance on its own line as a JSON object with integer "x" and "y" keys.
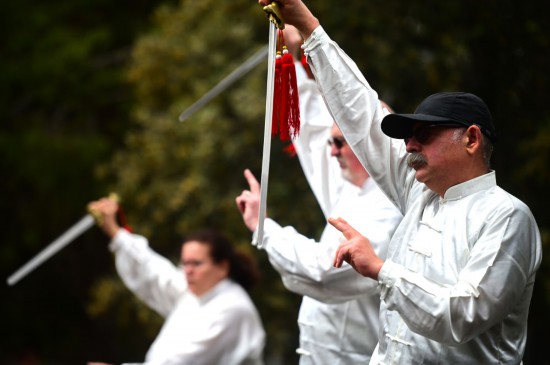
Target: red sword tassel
{"x": 286, "y": 109}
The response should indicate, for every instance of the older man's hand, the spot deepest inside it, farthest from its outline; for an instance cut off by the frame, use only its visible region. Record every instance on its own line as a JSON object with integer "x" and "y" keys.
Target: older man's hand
{"x": 296, "y": 13}
{"x": 356, "y": 250}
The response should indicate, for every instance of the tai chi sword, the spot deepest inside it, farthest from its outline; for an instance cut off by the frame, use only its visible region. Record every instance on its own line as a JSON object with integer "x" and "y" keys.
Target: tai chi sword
{"x": 76, "y": 230}
{"x": 275, "y": 22}
{"x": 67, "y": 237}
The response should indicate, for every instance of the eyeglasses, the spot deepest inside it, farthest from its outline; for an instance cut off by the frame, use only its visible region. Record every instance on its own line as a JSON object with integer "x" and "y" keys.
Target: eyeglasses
{"x": 423, "y": 133}
{"x": 338, "y": 142}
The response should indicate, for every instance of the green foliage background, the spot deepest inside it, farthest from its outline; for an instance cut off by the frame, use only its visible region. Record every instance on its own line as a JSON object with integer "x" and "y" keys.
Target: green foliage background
{"x": 91, "y": 93}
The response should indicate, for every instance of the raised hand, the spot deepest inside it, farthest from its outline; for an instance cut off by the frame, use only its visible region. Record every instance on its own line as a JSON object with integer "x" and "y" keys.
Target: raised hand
{"x": 356, "y": 250}
{"x": 105, "y": 211}
{"x": 295, "y": 12}
{"x": 249, "y": 202}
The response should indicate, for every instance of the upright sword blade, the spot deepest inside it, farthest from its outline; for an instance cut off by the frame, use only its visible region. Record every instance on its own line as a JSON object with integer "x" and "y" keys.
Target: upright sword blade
{"x": 76, "y": 230}
{"x": 259, "y": 239}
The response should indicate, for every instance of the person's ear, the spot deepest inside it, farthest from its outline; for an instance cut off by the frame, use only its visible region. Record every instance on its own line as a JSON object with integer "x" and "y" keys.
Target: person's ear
{"x": 472, "y": 138}
{"x": 224, "y": 266}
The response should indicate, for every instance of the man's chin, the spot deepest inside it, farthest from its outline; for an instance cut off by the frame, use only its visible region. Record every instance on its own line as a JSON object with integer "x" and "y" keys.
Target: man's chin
{"x": 419, "y": 173}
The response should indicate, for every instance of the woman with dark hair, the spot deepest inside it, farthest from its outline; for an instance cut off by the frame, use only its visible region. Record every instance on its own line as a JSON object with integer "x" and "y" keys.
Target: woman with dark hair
{"x": 210, "y": 319}
{"x": 242, "y": 267}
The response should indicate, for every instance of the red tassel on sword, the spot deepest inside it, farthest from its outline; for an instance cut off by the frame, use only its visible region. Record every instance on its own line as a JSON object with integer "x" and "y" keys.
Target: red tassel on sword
{"x": 286, "y": 108}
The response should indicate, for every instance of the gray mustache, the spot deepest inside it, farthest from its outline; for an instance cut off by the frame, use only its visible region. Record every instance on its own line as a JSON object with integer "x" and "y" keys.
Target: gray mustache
{"x": 416, "y": 159}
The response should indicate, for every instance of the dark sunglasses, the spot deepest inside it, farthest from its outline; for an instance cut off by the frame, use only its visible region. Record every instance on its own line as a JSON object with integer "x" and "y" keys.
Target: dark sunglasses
{"x": 338, "y": 142}
{"x": 423, "y": 133}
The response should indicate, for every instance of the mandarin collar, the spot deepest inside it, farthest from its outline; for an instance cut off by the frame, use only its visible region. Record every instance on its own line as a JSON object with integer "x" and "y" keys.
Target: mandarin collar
{"x": 470, "y": 187}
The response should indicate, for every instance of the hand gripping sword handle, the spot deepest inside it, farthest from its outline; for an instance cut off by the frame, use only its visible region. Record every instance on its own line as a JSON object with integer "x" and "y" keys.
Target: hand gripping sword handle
{"x": 274, "y": 15}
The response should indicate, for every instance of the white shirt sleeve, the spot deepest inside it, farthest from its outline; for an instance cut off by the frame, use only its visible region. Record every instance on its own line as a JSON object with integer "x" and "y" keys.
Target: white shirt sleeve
{"x": 305, "y": 265}
{"x": 358, "y": 113}
{"x": 150, "y": 276}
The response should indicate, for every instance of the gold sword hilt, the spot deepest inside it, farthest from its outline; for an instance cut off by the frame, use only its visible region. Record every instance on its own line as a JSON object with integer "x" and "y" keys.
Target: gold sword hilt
{"x": 274, "y": 15}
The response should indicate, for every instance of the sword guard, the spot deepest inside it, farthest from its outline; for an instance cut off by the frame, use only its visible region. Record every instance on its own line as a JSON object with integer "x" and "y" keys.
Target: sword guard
{"x": 274, "y": 15}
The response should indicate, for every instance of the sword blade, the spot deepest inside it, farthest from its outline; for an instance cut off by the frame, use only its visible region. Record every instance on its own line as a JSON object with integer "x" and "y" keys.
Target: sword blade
{"x": 225, "y": 83}
{"x": 267, "y": 134}
{"x": 76, "y": 230}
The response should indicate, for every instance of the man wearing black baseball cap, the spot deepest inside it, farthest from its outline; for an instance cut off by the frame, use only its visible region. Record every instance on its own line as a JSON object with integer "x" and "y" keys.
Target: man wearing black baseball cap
{"x": 460, "y": 269}
{"x": 445, "y": 109}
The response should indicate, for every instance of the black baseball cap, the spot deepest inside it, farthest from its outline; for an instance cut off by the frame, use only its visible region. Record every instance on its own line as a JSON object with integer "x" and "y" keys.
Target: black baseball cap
{"x": 443, "y": 108}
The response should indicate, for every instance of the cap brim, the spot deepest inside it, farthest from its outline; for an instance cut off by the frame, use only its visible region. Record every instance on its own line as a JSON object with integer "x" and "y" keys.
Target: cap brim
{"x": 400, "y": 126}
